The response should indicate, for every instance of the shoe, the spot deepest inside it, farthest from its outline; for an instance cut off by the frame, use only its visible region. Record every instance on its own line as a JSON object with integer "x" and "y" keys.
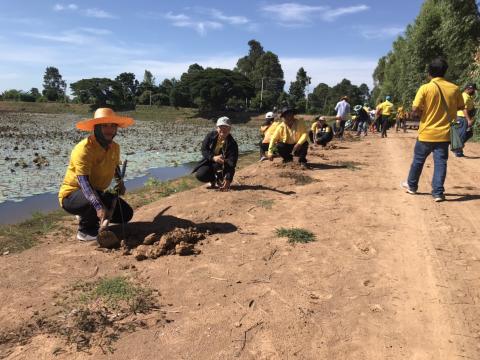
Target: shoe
{"x": 263, "y": 158}
{"x": 85, "y": 237}
{"x": 459, "y": 155}
{"x": 439, "y": 198}
{"x": 404, "y": 185}
{"x": 304, "y": 166}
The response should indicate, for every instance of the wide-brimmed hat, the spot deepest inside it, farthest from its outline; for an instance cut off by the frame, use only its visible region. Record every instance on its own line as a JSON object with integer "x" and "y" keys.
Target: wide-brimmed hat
{"x": 269, "y": 115}
{"x": 105, "y": 116}
{"x": 287, "y": 110}
{"x": 357, "y": 108}
{"x": 224, "y": 121}
{"x": 471, "y": 86}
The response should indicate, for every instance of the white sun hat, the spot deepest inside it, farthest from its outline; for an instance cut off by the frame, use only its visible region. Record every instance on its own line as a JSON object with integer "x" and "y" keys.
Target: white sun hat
{"x": 224, "y": 121}
{"x": 269, "y": 115}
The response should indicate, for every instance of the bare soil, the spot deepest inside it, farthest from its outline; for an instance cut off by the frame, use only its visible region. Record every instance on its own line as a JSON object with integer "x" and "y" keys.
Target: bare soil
{"x": 389, "y": 276}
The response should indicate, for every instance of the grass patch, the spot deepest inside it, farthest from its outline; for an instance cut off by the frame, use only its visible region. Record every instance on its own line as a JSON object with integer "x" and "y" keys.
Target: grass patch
{"x": 296, "y": 235}
{"x": 350, "y": 165}
{"x": 266, "y": 204}
{"x": 22, "y": 236}
{"x": 299, "y": 178}
{"x": 45, "y": 107}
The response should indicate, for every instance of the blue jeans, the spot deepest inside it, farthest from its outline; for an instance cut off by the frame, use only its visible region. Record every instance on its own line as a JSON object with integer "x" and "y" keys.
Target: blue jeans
{"x": 440, "y": 156}
{"x": 462, "y": 131}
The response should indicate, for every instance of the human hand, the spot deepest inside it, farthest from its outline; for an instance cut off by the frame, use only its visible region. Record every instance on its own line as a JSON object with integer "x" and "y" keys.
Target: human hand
{"x": 295, "y": 148}
{"x": 219, "y": 159}
{"x": 101, "y": 214}
{"x": 225, "y": 186}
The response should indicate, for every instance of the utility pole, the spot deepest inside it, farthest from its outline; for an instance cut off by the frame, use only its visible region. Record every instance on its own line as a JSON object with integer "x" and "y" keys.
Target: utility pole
{"x": 261, "y": 96}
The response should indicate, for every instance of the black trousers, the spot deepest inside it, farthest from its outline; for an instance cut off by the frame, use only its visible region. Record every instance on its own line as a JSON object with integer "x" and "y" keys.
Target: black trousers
{"x": 285, "y": 151}
{"x": 77, "y": 204}
{"x": 322, "y": 139}
{"x": 384, "y": 121}
{"x": 263, "y": 148}
{"x": 210, "y": 172}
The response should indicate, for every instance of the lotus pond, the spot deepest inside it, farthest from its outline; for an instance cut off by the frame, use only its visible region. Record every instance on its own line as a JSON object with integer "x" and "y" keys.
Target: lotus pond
{"x": 35, "y": 148}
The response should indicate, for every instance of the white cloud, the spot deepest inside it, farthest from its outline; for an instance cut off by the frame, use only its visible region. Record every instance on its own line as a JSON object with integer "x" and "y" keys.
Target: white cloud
{"x": 81, "y": 36}
{"x": 61, "y": 7}
{"x": 201, "y": 27}
{"x": 233, "y": 20}
{"x": 96, "y": 31}
{"x": 382, "y": 33}
{"x": 295, "y": 14}
{"x": 100, "y": 14}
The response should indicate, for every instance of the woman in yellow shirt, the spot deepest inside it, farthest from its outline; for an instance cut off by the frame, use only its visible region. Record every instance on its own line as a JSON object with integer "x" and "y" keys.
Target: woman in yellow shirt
{"x": 466, "y": 117}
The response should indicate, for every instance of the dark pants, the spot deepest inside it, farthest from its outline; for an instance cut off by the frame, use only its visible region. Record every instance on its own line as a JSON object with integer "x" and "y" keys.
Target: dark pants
{"x": 321, "y": 139}
{"x": 339, "y": 130}
{"x": 77, "y": 204}
{"x": 263, "y": 148}
{"x": 211, "y": 172}
{"x": 285, "y": 151}
{"x": 384, "y": 121}
{"x": 440, "y": 156}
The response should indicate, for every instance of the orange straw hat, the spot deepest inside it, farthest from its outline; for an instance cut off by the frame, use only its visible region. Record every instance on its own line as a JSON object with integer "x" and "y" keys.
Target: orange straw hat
{"x": 105, "y": 116}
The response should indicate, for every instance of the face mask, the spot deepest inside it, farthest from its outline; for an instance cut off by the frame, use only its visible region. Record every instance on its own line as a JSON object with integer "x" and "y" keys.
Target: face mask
{"x": 97, "y": 131}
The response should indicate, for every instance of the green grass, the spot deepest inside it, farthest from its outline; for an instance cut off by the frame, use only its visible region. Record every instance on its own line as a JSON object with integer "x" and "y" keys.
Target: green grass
{"x": 266, "y": 204}
{"x": 350, "y": 165}
{"x": 296, "y": 235}
{"x": 44, "y": 108}
{"x": 299, "y": 178}
{"x": 22, "y": 236}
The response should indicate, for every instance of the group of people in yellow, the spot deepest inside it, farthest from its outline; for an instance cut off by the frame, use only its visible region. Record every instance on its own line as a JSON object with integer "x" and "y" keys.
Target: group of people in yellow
{"x": 95, "y": 160}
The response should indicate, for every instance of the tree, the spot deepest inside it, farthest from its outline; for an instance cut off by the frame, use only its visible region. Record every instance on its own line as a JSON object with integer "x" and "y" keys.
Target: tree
{"x": 35, "y": 93}
{"x": 297, "y": 90}
{"x": 95, "y": 91}
{"x": 317, "y": 100}
{"x": 124, "y": 91}
{"x": 246, "y": 64}
{"x": 53, "y": 85}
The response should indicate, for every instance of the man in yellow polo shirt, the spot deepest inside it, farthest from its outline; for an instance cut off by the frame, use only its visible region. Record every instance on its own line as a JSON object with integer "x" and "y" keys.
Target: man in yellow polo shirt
{"x": 384, "y": 111}
{"x": 436, "y": 104}
{"x": 91, "y": 169}
{"x": 290, "y": 138}
{"x": 466, "y": 116}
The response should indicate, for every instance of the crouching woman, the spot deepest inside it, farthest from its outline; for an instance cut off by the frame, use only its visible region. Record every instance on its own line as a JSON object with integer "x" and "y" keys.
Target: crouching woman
{"x": 220, "y": 156}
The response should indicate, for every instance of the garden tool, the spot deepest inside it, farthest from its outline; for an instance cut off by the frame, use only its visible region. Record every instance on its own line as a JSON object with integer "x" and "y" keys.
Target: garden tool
{"x": 107, "y": 238}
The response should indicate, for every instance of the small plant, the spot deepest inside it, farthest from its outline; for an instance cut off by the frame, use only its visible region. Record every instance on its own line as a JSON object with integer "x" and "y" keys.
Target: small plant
{"x": 299, "y": 178}
{"x": 151, "y": 181}
{"x": 350, "y": 165}
{"x": 266, "y": 204}
{"x": 296, "y": 235}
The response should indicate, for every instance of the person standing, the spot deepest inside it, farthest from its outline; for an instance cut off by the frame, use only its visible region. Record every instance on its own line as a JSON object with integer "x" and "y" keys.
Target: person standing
{"x": 220, "y": 156}
{"x": 466, "y": 116}
{"x": 362, "y": 119}
{"x": 91, "y": 169}
{"x": 384, "y": 111}
{"x": 343, "y": 113}
{"x": 436, "y": 104}
{"x": 290, "y": 139}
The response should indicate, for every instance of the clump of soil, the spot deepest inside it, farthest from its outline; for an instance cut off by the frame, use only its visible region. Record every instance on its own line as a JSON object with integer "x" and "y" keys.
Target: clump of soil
{"x": 179, "y": 241}
{"x": 90, "y": 315}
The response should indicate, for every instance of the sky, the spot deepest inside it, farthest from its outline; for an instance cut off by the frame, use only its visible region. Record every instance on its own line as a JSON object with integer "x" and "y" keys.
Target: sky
{"x": 332, "y": 40}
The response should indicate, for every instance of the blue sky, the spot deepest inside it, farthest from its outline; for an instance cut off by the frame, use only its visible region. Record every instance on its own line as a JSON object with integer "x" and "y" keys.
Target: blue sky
{"x": 332, "y": 40}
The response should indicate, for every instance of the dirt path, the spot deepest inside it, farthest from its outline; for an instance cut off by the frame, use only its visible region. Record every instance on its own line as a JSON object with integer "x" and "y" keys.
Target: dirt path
{"x": 390, "y": 275}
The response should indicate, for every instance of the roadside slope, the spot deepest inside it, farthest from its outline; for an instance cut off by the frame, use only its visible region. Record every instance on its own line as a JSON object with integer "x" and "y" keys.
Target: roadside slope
{"x": 390, "y": 276}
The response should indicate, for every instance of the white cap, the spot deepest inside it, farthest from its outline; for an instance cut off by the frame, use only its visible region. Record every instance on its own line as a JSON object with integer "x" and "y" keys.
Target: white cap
{"x": 224, "y": 121}
{"x": 269, "y": 115}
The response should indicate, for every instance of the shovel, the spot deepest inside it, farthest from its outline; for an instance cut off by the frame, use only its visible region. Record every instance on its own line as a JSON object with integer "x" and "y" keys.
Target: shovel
{"x": 107, "y": 238}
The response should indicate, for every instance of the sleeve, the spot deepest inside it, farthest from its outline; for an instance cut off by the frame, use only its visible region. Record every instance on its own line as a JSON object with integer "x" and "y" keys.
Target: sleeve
{"x": 336, "y": 107}
{"x": 231, "y": 161}
{"x": 464, "y": 99}
{"x": 207, "y": 153}
{"x": 89, "y": 193}
{"x": 328, "y": 129}
{"x": 82, "y": 160}
{"x": 273, "y": 140}
{"x": 303, "y": 134}
{"x": 419, "y": 101}
{"x": 314, "y": 127}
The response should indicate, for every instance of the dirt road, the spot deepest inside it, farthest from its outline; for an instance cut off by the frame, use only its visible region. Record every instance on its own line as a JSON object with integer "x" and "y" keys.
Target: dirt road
{"x": 390, "y": 275}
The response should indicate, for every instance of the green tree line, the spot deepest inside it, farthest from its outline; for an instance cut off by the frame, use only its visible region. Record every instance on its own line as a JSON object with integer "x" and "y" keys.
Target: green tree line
{"x": 256, "y": 83}
{"x": 445, "y": 28}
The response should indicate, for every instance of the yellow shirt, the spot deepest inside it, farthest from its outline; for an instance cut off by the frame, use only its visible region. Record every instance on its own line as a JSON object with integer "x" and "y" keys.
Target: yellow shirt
{"x": 400, "y": 113}
{"x": 90, "y": 158}
{"x": 385, "y": 108}
{"x": 269, "y": 132}
{"x": 218, "y": 146}
{"x": 469, "y": 104}
{"x": 317, "y": 128}
{"x": 435, "y": 122}
{"x": 297, "y": 134}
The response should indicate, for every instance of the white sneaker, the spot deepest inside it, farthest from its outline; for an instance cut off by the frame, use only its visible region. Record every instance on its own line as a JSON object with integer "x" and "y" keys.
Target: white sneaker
{"x": 263, "y": 158}
{"x": 78, "y": 218}
{"x": 439, "y": 198}
{"x": 85, "y": 237}
{"x": 404, "y": 185}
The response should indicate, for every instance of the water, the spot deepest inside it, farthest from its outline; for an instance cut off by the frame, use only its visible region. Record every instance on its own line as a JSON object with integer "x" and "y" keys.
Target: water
{"x": 12, "y": 212}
